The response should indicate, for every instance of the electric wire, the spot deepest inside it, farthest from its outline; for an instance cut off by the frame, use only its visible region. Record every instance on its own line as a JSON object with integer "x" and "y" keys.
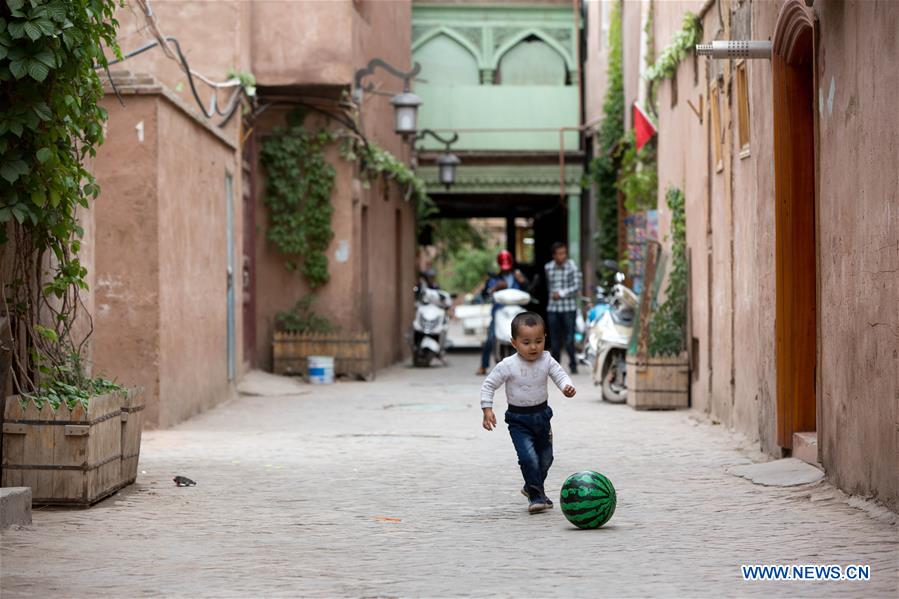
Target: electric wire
{"x": 230, "y": 107}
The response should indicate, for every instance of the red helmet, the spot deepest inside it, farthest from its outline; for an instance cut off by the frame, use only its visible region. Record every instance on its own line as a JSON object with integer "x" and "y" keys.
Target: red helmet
{"x": 504, "y": 260}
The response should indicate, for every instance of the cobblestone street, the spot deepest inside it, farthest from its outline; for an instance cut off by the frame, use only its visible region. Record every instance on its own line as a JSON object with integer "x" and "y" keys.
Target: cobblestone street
{"x": 391, "y": 488}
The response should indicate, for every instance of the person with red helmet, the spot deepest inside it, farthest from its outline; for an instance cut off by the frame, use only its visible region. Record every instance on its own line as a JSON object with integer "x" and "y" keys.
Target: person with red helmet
{"x": 508, "y": 278}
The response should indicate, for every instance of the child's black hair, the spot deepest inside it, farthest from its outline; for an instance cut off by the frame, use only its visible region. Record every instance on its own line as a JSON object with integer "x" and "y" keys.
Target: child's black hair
{"x": 528, "y": 319}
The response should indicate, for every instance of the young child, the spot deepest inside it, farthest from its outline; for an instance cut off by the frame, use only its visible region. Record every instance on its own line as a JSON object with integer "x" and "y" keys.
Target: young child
{"x": 528, "y": 416}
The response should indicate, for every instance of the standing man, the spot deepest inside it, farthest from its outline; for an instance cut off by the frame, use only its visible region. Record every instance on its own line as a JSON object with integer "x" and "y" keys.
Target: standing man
{"x": 564, "y": 281}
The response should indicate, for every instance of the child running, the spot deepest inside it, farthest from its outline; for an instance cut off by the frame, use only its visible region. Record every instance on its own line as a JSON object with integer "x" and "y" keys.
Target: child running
{"x": 528, "y": 416}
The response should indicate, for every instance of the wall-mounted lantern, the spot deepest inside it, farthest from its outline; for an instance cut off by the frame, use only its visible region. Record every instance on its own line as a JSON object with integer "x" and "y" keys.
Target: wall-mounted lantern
{"x": 735, "y": 49}
{"x": 446, "y": 162}
{"x": 405, "y": 104}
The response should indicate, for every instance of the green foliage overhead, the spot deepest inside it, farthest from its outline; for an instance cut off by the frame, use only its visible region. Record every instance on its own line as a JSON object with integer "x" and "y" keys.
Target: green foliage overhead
{"x": 303, "y": 319}
{"x": 51, "y": 121}
{"x": 603, "y": 169}
{"x": 689, "y": 35}
{"x": 449, "y": 235}
{"x": 637, "y": 177}
{"x": 299, "y": 182}
{"x": 467, "y": 268}
{"x": 668, "y": 325}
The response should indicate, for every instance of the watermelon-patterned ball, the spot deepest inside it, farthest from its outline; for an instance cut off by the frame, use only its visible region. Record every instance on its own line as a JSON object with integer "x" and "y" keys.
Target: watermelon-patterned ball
{"x": 588, "y": 499}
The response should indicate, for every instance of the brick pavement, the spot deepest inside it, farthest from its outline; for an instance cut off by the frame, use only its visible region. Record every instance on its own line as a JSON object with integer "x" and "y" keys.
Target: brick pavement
{"x": 300, "y": 496}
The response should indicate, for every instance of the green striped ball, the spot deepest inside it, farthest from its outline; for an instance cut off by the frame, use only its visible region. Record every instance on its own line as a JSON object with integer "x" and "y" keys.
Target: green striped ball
{"x": 588, "y": 499}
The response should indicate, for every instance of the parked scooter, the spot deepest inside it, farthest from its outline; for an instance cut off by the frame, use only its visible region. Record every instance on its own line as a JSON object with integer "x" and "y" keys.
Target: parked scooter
{"x": 429, "y": 328}
{"x": 592, "y": 333}
{"x": 612, "y": 333}
{"x": 513, "y": 302}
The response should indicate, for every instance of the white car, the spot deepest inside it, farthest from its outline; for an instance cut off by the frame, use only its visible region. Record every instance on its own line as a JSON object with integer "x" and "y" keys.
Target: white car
{"x": 468, "y": 326}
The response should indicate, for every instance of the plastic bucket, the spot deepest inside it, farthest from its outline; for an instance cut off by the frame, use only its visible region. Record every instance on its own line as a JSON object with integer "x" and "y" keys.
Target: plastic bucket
{"x": 321, "y": 370}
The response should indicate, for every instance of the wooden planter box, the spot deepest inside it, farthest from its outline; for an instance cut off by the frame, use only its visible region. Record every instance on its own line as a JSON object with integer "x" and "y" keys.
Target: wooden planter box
{"x": 66, "y": 457}
{"x": 132, "y": 425}
{"x": 658, "y": 383}
{"x": 351, "y": 352}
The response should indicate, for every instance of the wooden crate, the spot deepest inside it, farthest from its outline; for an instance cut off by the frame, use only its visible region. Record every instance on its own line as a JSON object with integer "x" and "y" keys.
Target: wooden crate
{"x": 658, "y": 383}
{"x": 66, "y": 457}
{"x": 132, "y": 425}
{"x": 351, "y": 351}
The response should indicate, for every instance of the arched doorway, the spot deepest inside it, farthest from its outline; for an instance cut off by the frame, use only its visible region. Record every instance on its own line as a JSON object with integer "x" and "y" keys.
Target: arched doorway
{"x": 793, "y": 62}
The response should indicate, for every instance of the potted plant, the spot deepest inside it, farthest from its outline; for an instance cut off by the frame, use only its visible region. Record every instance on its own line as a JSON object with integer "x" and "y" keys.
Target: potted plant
{"x": 301, "y": 333}
{"x": 62, "y": 428}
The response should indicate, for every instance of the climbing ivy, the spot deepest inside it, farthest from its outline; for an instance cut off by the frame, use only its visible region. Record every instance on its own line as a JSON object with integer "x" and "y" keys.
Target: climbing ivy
{"x": 299, "y": 182}
{"x": 689, "y": 35}
{"x": 649, "y": 32}
{"x": 603, "y": 169}
{"x": 667, "y": 328}
{"x": 50, "y": 124}
{"x": 375, "y": 162}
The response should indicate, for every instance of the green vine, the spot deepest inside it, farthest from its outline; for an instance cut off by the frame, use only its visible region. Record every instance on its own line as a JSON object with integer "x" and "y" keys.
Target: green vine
{"x": 649, "y": 32}
{"x": 299, "y": 182}
{"x": 50, "y": 123}
{"x": 638, "y": 177}
{"x": 689, "y": 35}
{"x": 603, "y": 169}
{"x": 375, "y": 161}
{"x": 667, "y": 328}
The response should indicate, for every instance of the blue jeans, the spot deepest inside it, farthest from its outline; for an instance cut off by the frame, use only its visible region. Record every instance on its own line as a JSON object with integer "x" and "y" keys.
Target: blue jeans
{"x": 561, "y": 333}
{"x": 532, "y": 436}
{"x": 488, "y": 345}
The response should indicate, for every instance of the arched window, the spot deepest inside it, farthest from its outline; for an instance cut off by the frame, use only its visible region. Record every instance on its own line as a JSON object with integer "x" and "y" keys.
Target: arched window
{"x": 532, "y": 62}
{"x": 446, "y": 62}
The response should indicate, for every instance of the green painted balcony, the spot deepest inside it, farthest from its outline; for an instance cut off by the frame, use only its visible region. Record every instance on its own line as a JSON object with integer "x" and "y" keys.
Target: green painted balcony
{"x": 507, "y": 70}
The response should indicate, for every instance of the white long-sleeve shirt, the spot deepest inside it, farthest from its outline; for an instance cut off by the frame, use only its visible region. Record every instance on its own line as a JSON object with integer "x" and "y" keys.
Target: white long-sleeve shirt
{"x": 525, "y": 381}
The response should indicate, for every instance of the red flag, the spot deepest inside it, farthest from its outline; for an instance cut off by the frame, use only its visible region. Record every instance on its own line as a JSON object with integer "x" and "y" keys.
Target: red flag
{"x": 643, "y": 127}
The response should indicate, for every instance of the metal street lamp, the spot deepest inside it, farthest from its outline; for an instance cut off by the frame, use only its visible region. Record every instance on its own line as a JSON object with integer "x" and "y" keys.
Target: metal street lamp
{"x": 446, "y": 168}
{"x": 446, "y": 162}
{"x": 405, "y": 104}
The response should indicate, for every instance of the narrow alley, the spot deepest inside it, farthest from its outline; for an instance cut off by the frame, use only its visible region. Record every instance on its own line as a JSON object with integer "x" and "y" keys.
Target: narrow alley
{"x": 391, "y": 488}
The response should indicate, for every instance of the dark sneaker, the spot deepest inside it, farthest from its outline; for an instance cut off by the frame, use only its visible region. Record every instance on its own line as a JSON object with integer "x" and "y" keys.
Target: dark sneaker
{"x": 537, "y": 505}
{"x": 548, "y": 502}
{"x": 524, "y": 491}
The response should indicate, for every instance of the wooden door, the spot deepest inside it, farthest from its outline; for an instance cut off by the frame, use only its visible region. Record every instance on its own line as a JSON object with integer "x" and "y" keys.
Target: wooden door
{"x": 795, "y": 234}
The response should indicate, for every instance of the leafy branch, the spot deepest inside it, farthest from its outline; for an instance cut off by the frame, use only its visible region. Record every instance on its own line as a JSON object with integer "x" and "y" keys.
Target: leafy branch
{"x": 684, "y": 40}
{"x": 51, "y": 121}
{"x": 638, "y": 176}
{"x": 375, "y": 161}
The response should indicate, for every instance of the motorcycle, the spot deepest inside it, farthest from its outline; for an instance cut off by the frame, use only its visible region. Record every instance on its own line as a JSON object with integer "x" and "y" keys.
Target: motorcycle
{"x": 513, "y": 302}
{"x": 430, "y": 325}
{"x": 612, "y": 334}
